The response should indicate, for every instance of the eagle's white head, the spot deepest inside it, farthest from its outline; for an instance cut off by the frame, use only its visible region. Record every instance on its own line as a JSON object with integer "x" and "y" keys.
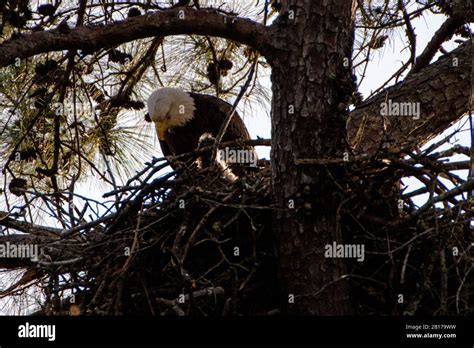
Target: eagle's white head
{"x": 168, "y": 108}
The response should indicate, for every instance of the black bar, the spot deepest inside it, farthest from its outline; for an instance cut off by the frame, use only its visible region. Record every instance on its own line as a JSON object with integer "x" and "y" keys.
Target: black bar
{"x": 291, "y": 331}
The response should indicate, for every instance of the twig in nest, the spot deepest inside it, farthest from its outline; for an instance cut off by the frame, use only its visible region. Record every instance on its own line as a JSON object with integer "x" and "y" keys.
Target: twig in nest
{"x": 174, "y": 304}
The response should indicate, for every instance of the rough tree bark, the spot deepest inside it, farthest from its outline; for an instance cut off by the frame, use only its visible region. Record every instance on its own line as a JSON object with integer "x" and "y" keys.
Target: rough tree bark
{"x": 312, "y": 43}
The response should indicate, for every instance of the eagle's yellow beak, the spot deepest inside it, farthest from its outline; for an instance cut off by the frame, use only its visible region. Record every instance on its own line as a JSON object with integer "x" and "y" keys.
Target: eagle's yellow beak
{"x": 161, "y": 127}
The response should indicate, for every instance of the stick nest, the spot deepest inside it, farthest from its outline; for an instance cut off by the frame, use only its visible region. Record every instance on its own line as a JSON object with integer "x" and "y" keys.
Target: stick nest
{"x": 193, "y": 242}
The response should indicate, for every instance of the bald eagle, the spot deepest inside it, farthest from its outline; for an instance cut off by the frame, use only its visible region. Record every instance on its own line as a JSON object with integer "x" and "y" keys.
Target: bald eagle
{"x": 181, "y": 119}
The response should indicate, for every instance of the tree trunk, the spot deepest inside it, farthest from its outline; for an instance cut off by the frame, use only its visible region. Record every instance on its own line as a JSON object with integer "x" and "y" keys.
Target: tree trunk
{"x": 309, "y": 80}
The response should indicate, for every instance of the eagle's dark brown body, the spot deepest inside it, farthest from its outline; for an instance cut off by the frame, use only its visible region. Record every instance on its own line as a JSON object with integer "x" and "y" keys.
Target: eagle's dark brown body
{"x": 208, "y": 118}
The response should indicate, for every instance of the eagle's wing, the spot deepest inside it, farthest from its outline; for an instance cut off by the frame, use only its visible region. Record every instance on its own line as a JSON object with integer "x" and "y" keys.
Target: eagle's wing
{"x": 215, "y": 111}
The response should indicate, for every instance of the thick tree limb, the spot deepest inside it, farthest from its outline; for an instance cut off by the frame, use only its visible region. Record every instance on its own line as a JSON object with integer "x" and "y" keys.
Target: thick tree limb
{"x": 22, "y": 226}
{"x": 18, "y": 240}
{"x": 444, "y": 33}
{"x": 51, "y": 252}
{"x": 442, "y": 90}
{"x": 176, "y": 21}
